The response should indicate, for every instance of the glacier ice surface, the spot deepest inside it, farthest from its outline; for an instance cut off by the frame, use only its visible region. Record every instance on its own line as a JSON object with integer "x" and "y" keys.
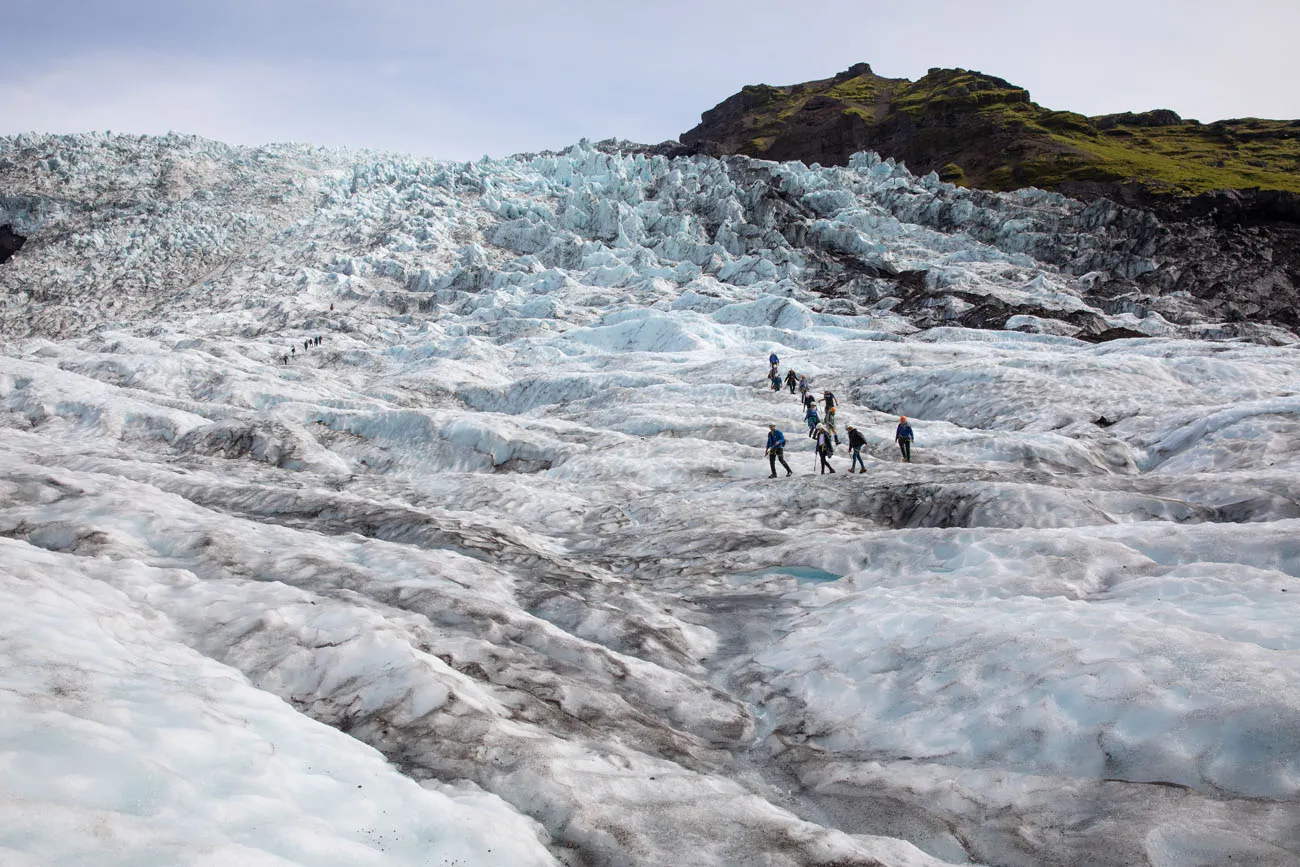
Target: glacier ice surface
{"x": 494, "y": 575}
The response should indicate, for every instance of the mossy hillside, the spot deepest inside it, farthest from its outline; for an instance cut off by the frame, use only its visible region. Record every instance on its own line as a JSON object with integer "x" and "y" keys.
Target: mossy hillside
{"x": 945, "y": 91}
{"x": 767, "y": 111}
{"x": 1183, "y": 159}
{"x": 983, "y": 131}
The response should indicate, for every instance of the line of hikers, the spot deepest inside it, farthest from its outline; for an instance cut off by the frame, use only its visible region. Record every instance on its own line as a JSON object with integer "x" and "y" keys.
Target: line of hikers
{"x": 824, "y": 432}
{"x": 306, "y": 344}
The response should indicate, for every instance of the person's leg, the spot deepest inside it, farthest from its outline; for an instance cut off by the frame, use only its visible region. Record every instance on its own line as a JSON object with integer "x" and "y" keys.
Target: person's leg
{"x": 781, "y": 455}
{"x": 907, "y": 450}
{"x": 771, "y": 459}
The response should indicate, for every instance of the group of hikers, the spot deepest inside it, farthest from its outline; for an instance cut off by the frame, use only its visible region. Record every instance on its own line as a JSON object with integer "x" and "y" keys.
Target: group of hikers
{"x": 306, "y": 344}
{"x": 822, "y": 428}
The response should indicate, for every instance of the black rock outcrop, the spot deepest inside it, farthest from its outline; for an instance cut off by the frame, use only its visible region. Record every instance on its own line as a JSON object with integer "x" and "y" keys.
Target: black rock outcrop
{"x": 10, "y": 242}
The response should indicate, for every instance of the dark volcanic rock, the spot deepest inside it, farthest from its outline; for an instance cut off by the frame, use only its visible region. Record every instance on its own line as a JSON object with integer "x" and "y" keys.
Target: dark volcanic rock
{"x": 1159, "y": 117}
{"x": 10, "y": 242}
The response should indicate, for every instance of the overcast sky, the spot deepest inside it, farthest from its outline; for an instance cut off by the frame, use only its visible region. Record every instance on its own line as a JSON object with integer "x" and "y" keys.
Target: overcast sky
{"x": 462, "y": 79}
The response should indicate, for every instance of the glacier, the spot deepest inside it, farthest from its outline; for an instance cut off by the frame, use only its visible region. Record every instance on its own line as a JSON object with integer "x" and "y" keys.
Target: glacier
{"x": 494, "y": 574}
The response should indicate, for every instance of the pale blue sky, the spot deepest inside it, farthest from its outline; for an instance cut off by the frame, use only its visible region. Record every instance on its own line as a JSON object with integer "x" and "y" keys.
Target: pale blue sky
{"x": 461, "y": 79}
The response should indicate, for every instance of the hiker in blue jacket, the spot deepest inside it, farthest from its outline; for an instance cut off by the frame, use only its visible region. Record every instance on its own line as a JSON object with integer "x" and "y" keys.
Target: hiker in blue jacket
{"x": 776, "y": 450}
{"x": 903, "y": 436}
{"x": 813, "y": 420}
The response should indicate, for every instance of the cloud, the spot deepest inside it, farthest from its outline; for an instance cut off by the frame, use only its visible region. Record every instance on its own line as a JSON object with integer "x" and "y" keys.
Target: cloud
{"x": 236, "y": 102}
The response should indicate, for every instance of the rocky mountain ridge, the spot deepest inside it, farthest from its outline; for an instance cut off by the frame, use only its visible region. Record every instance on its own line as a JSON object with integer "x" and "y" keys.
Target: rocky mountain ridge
{"x": 1216, "y": 205}
{"x": 982, "y": 131}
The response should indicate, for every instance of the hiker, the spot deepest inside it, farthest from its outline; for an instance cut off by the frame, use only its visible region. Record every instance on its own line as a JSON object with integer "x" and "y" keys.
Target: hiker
{"x": 293, "y": 350}
{"x": 791, "y": 380}
{"x": 813, "y": 421}
{"x": 776, "y": 380}
{"x": 831, "y": 405}
{"x": 803, "y": 388}
{"x": 286, "y": 358}
{"x": 776, "y": 450}
{"x": 903, "y": 436}
{"x": 856, "y": 443}
{"x": 824, "y": 449}
{"x": 331, "y": 308}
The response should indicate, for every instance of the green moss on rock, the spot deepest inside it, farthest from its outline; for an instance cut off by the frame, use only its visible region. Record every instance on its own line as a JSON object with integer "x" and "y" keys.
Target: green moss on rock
{"x": 980, "y": 130}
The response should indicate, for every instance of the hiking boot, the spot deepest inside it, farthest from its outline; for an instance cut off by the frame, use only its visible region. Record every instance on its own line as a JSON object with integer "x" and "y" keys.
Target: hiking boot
{"x": 789, "y": 473}
{"x": 773, "y": 476}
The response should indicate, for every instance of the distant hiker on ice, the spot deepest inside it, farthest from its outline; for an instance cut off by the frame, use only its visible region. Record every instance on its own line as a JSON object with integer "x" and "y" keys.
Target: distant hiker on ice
{"x": 776, "y": 380}
{"x": 803, "y": 388}
{"x": 831, "y": 405}
{"x": 774, "y": 361}
{"x": 813, "y": 421}
{"x": 776, "y": 450}
{"x": 903, "y": 436}
{"x": 792, "y": 380}
{"x": 825, "y": 450}
{"x": 856, "y": 443}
